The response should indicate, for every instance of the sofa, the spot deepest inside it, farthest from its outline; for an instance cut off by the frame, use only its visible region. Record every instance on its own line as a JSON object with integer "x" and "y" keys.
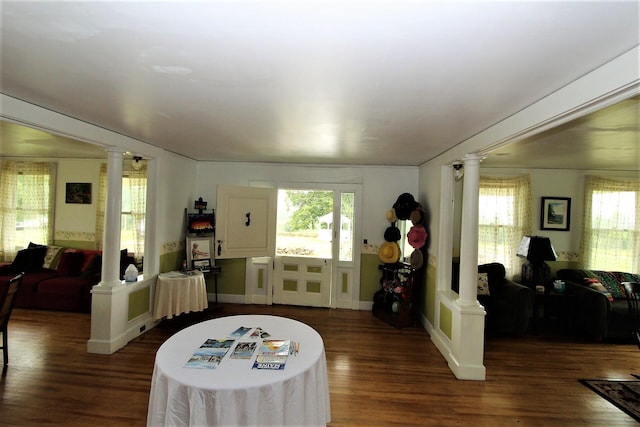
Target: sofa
{"x": 600, "y": 310}
{"x": 57, "y": 278}
{"x": 509, "y": 305}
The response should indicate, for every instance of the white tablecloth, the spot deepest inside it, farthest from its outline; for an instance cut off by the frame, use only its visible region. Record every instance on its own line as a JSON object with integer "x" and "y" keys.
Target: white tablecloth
{"x": 179, "y": 294}
{"x": 235, "y": 394}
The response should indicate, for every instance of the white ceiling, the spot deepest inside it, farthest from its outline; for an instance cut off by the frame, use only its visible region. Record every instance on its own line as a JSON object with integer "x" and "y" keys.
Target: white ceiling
{"x": 394, "y": 83}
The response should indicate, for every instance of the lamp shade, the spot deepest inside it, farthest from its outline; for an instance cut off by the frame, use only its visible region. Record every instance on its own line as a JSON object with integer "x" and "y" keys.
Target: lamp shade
{"x": 536, "y": 249}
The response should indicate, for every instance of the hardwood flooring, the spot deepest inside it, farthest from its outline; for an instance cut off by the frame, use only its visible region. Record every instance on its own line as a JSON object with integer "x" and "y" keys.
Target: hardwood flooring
{"x": 378, "y": 375}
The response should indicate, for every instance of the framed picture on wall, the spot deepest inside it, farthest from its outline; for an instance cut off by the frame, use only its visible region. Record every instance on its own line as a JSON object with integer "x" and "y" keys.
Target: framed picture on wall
{"x": 199, "y": 248}
{"x": 555, "y": 213}
{"x": 78, "y": 192}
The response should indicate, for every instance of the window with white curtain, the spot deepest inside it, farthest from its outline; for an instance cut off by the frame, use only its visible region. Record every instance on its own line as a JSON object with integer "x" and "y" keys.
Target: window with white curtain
{"x": 132, "y": 221}
{"x": 611, "y": 225}
{"x": 26, "y": 205}
{"x": 504, "y": 216}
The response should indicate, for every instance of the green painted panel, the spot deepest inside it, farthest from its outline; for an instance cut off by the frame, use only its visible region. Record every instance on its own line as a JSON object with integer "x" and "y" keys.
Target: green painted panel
{"x": 369, "y": 276}
{"x": 290, "y": 285}
{"x": 446, "y": 320}
{"x": 77, "y": 244}
{"x": 314, "y": 269}
{"x": 429, "y": 303}
{"x": 260, "y": 278}
{"x": 231, "y": 278}
{"x": 290, "y": 267}
{"x": 313, "y": 287}
{"x": 345, "y": 283}
{"x": 171, "y": 261}
{"x": 139, "y": 302}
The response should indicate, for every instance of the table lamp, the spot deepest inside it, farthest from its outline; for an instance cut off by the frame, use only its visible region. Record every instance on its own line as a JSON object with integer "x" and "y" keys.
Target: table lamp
{"x": 537, "y": 250}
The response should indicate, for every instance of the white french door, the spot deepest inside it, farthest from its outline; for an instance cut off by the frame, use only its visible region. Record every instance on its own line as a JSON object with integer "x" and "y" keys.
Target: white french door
{"x": 313, "y": 254}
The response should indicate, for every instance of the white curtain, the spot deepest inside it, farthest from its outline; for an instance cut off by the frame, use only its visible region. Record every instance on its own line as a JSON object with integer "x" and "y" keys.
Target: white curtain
{"x": 101, "y": 205}
{"x": 504, "y": 217}
{"x": 8, "y": 213}
{"x": 138, "y": 191}
{"x": 26, "y": 196}
{"x": 611, "y": 225}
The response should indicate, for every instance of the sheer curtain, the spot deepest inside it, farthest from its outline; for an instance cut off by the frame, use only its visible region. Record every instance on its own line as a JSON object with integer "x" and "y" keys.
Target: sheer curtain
{"x": 26, "y": 199}
{"x": 504, "y": 217}
{"x": 8, "y": 213}
{"x": 138, "y": 191}
{"x": 611, "y": 225}
{"x": 101, "y": 205}
{"x": 136, "y": 182}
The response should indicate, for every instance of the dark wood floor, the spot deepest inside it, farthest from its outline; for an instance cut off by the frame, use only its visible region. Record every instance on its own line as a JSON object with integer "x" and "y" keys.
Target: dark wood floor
{"x": 378, "y": 375}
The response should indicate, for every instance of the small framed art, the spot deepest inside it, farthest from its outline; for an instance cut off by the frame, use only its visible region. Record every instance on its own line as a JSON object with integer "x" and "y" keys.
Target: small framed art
{"x": 555, "y": 213}
{"x": 199, "y": 248}
{"x": 78, "y": 192}
{"x": 203, "y": 265}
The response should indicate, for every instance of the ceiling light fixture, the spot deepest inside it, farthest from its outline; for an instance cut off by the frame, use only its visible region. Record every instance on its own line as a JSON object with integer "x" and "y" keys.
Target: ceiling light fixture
{"x": 136, "y": 163}
{"x": 458, "y": 170}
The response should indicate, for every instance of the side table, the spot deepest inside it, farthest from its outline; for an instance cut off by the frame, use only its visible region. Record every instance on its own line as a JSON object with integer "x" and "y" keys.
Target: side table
{"x": 553, "y": 304}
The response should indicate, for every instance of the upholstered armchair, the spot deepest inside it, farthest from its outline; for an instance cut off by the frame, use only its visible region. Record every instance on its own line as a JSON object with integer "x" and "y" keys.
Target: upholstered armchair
{"x": 509, "y": 305}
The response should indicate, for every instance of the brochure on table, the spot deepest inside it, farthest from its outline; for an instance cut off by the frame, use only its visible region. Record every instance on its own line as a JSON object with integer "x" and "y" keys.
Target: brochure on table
{"x": 243, "y": 343}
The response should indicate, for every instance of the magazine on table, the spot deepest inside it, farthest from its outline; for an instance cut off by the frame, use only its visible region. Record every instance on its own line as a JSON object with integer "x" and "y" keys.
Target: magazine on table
{"x": 244, "y": 350}
{"x": 272, "y": 354}
{"x": 210, "y": 354}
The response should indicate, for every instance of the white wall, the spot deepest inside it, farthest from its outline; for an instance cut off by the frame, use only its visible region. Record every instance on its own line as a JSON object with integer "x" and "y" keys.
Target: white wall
{"x": 76, "y": 217}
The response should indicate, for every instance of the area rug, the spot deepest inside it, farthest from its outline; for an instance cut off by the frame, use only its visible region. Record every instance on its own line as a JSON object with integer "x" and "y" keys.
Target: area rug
{"x": 624, "y": 394}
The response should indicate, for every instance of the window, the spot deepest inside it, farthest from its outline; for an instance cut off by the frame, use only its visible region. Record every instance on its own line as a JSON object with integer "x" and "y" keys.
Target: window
{"x": 611, "y": 229}
{"x": 26, "y": 205}
{"x": 133, "y": 211}
{"x": 504, "y": 217}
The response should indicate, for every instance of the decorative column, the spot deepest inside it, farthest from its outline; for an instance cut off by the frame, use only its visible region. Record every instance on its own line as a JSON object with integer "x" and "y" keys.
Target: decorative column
{"x": 467, "y": 343}
{"x": 109, "y": 299}
{"x": 469, "y": 230}
{"x": 112, "y": 218}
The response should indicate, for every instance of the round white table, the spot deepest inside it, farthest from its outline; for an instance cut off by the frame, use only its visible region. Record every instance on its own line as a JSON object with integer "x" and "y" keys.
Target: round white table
{"x": 233, "y": 393}
{"x": 178, "y": 293}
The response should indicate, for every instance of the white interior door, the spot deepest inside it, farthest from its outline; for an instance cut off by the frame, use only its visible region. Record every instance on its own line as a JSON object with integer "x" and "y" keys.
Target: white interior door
{"x": 302, "y": 281}
{"x": 245, "y": 222}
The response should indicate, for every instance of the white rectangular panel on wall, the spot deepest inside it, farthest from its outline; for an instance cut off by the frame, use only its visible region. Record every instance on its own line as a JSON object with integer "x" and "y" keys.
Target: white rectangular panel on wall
{"x": 245, "y": 222}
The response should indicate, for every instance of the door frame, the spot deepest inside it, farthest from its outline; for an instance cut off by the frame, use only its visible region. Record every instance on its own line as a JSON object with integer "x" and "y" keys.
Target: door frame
{"x": 351, "y": 297}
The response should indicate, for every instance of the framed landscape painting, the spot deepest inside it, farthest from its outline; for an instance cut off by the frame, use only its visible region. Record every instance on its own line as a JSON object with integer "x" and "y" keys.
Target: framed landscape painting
{"x": 555, "y": 213}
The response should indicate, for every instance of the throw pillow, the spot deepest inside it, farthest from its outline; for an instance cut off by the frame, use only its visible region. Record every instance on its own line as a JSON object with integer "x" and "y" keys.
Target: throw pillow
{"x": 70, "y": 264}
{"x": 483, "y": 284}
{"x": 596, "y": 285}
{"x": 93, "y": 269}
{"x": 52, "y": 256}
{"x": 29, "y": 260}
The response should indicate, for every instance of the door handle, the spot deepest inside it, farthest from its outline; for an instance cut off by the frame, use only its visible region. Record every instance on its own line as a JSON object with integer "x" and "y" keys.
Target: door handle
{"x": 248, "y": 215}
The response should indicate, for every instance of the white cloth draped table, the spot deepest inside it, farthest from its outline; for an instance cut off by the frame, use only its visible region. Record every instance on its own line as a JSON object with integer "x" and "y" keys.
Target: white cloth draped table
{"x": 177, "y": 294}
{"x": 234, "y": 394}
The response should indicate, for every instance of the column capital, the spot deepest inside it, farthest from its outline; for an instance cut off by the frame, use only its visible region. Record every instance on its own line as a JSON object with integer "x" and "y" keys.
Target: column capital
{"x": 473, "y": 157}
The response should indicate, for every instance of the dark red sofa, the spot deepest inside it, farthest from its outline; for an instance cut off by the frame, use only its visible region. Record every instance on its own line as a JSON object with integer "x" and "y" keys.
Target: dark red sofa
{"x": 62, "y": 282}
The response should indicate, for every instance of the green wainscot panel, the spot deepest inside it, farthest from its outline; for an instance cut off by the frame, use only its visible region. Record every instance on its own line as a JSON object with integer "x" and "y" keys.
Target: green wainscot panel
{"x": 77, "y": 244}
{"x": 428, "y": 306}
{"x": 171, "y": 261}
{"x": 369, "y": 276}
{"x": 231, "y": 278}
{"x": 139, "y": 302}
{"x": 446, "y": 320}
